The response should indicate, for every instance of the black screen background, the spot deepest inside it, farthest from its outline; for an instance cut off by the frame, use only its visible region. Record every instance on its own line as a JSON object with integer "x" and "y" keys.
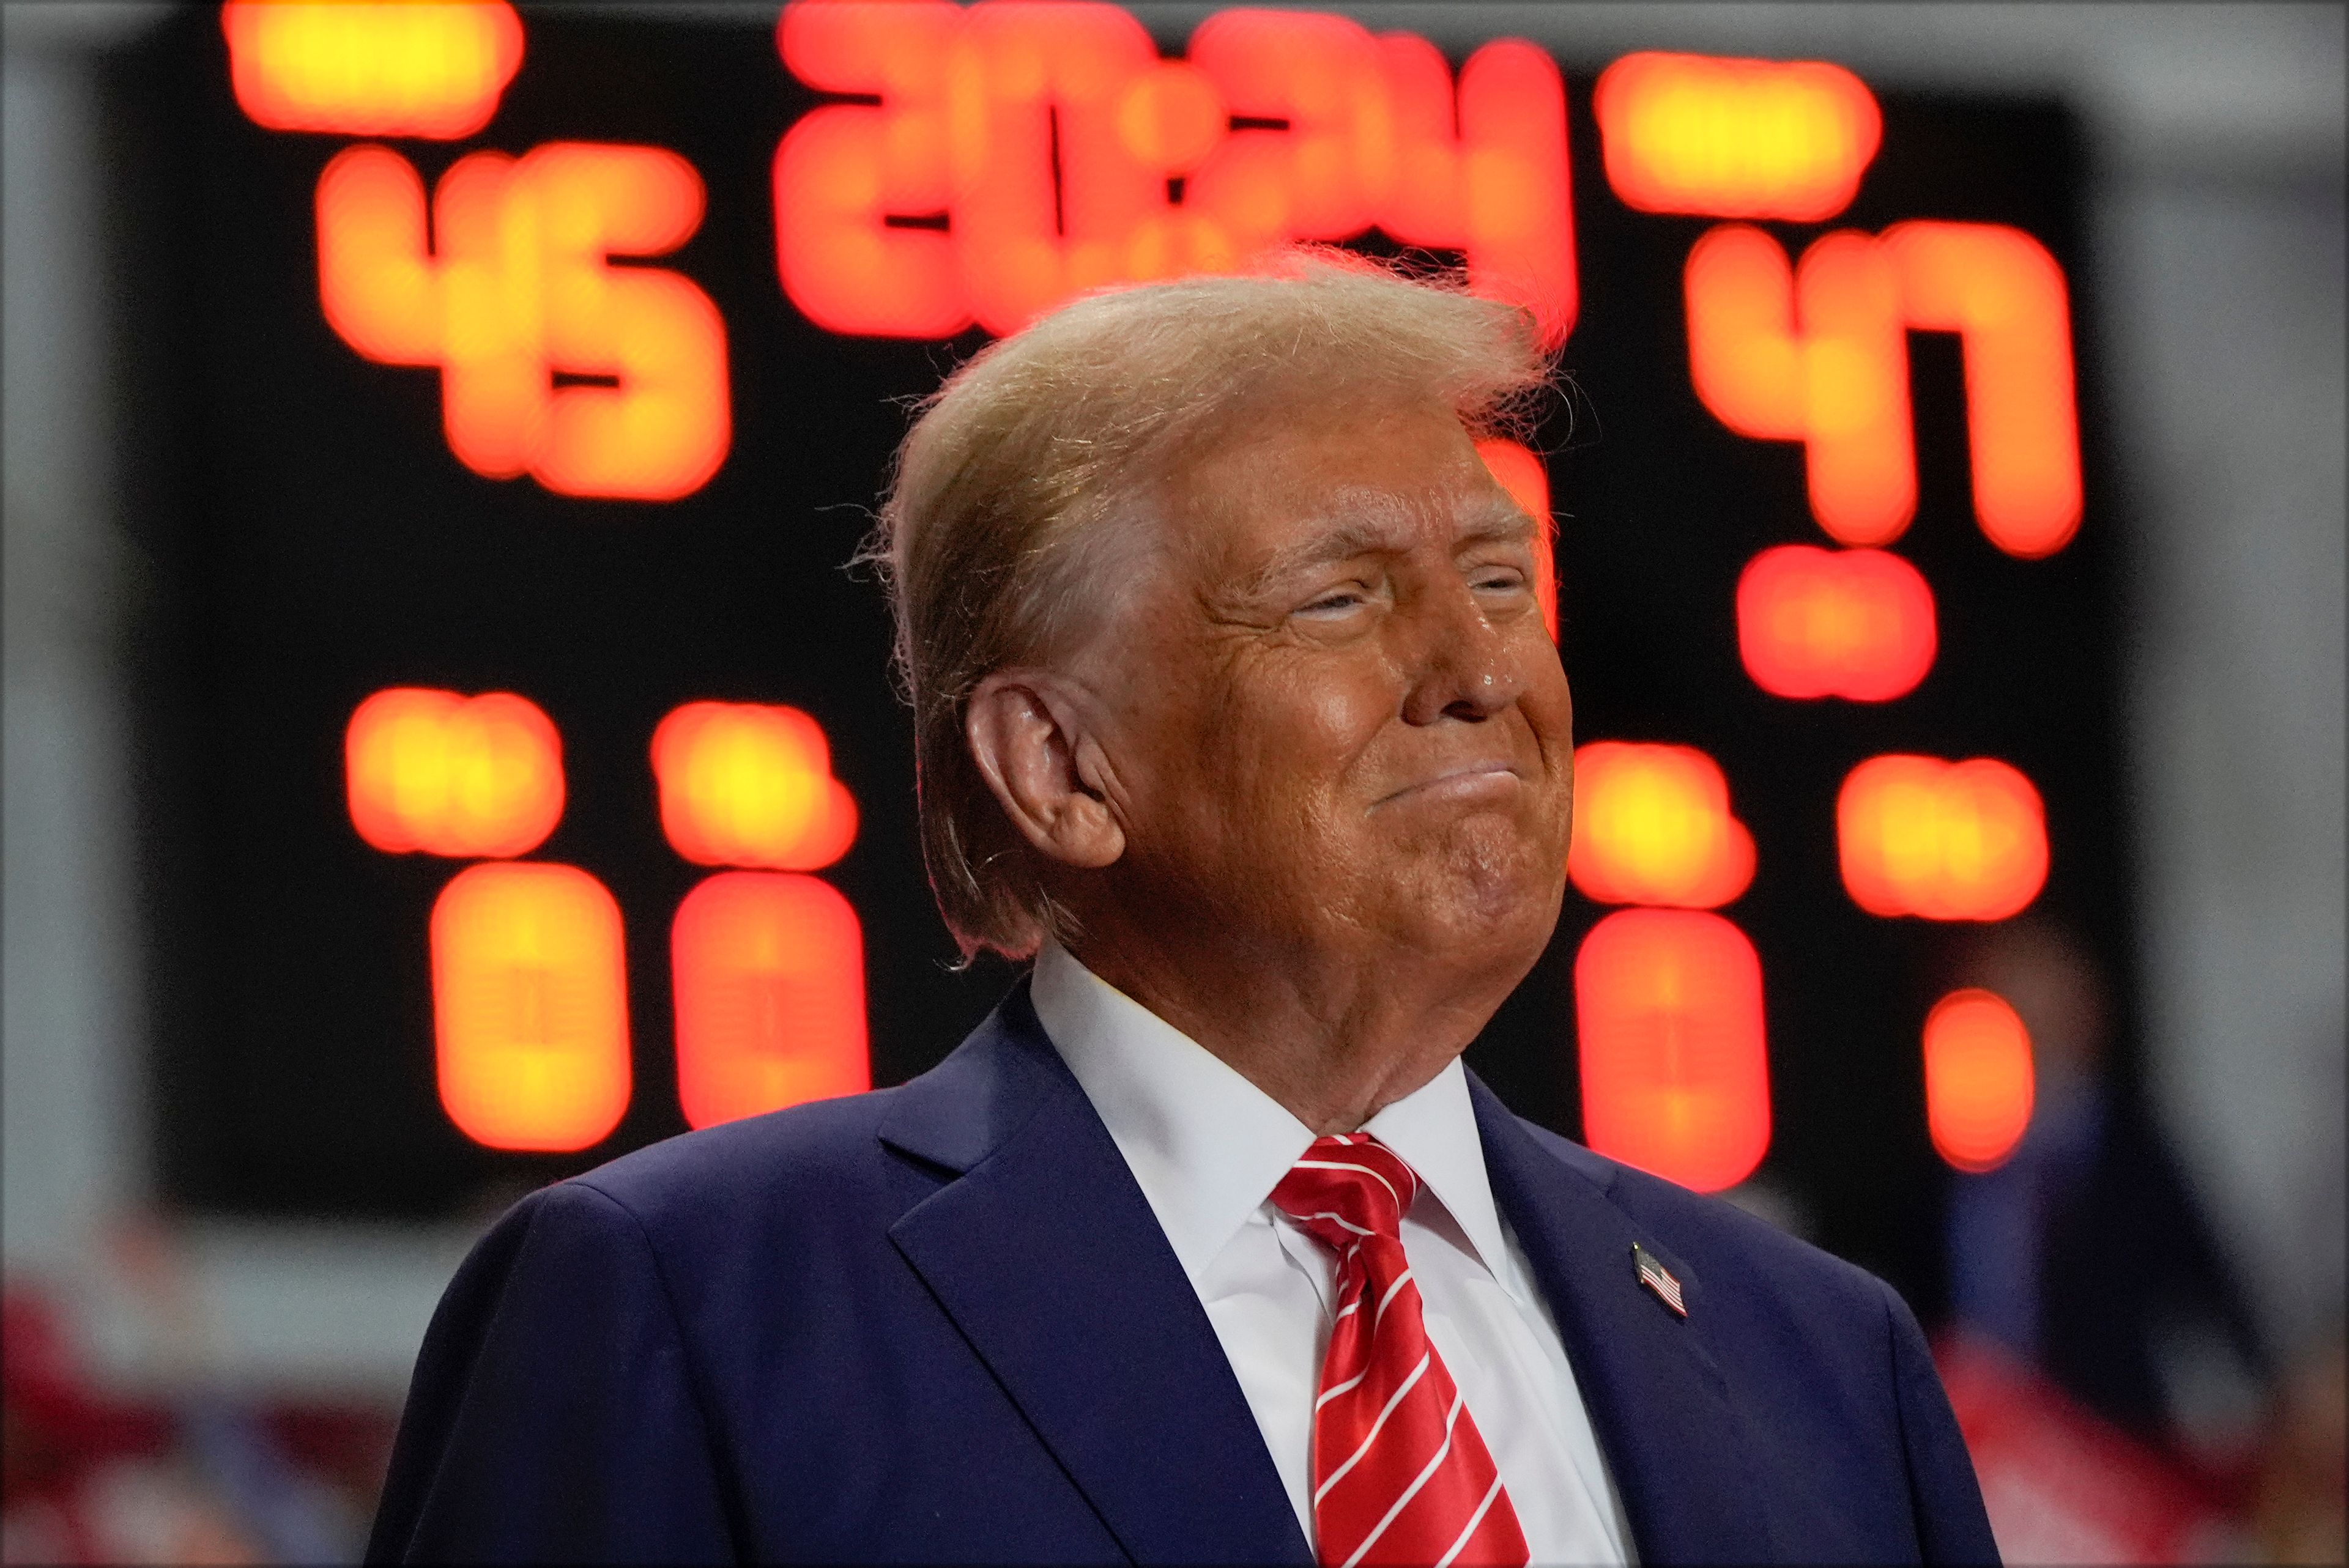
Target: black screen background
{"x": 311, "y": 539}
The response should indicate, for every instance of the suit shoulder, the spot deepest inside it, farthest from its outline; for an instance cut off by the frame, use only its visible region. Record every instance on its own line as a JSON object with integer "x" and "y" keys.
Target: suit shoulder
{"x": 1724, "y": 1248}
{"x": 806, "y": 1160}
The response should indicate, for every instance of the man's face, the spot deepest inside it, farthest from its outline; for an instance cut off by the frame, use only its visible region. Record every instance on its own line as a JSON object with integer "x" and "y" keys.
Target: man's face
{"x": 1339, "y": 719}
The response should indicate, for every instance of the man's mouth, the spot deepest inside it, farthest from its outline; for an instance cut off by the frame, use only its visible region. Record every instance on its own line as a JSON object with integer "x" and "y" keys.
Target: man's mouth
{"x": 1469, "y": 781}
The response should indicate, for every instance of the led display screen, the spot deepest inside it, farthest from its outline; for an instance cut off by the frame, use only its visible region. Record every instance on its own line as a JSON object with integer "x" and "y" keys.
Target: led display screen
{"x": 527, "y": 782}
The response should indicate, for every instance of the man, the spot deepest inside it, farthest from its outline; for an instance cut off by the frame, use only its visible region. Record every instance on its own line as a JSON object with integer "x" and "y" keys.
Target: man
{"x": 1234, "y": 707}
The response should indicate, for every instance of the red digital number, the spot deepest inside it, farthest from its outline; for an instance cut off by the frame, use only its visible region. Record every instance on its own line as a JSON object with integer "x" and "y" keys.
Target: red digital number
{"x": 1020, "y": 153}
{"x": 1854, "y": 623}
{"x": 1651, "y": 825}
{"x": 1818, "y": 353}
{"x": 1944, "y": 841}
{"x": 530, "y": 1006}
{"x": 516, "y": 289}
{"x": 1979, "y": 1080}
{"x": 1675, "y": 1072}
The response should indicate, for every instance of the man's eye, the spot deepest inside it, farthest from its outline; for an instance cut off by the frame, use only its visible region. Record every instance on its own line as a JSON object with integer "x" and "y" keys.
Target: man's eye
{"x": 1502, "y": 580}
{"x": 1334, "y": 603}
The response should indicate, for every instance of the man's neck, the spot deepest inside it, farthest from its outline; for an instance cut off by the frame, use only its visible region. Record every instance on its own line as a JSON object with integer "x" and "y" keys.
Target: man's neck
{"x": 1335, "y": 1043}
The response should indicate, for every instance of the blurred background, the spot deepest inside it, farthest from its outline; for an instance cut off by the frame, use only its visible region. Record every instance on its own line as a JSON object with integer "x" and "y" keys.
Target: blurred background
{"x": 381, "y": 604}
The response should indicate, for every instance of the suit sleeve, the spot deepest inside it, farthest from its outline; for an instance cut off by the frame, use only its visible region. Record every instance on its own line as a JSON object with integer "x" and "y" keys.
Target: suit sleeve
{"x": 1952, "y": 1526}
{"x": 552, "y": 1416}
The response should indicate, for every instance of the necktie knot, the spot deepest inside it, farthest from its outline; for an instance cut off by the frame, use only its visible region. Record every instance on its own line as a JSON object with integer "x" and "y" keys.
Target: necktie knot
{"x": 1346, "y": 1187}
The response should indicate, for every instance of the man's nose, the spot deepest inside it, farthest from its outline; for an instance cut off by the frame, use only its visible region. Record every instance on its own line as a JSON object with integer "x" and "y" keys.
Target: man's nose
{"x": 1465, "y": 666}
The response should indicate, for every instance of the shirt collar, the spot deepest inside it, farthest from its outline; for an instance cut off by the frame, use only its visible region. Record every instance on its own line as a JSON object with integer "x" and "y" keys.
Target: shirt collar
{"x": 1207, "y": 1147}
{"x": 1434, "y": 1129}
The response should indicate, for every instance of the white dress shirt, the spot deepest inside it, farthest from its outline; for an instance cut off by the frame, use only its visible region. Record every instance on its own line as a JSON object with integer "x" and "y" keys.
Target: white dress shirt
{"x": 1207, "y": 1147}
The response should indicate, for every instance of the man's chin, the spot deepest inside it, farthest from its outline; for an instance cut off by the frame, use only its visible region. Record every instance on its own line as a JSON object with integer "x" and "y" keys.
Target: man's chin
{"x": 1490, "y": 892}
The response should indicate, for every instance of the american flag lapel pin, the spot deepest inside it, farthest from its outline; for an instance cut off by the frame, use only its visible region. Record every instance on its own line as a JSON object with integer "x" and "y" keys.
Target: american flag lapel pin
{"x": 1659, "y": 1279}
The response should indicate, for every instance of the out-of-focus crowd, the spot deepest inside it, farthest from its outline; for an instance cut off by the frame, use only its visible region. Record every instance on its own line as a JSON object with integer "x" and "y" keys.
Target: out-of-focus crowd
{"x": 190, "y": 1475}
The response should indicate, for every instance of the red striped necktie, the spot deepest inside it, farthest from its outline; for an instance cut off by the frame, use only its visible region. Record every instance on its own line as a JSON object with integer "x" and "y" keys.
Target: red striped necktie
{"x": 1400, "y": 1475}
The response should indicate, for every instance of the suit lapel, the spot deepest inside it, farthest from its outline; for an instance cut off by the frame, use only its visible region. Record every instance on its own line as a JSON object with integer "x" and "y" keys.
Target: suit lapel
{"x": 1674, "y": 1444}
{"x": 1047, "y": 1256}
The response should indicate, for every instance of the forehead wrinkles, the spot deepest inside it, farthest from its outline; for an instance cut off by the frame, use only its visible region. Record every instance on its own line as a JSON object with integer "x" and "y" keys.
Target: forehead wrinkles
{"x": 1327, "y": 481}
{"x": 1338, "y": 525}
{"x": 1368, "y": 520}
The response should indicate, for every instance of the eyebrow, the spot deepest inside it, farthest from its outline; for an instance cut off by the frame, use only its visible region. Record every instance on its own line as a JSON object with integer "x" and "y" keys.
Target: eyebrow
{"x": 1377, "y": 534}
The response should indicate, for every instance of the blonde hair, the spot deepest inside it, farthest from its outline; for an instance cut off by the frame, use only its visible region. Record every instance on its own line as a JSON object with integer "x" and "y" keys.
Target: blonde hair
{"x": 1033, "y": 460}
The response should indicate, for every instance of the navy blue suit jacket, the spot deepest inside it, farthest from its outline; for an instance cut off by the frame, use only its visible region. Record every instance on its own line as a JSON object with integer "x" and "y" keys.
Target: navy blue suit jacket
{"x": 939, "y": 1322}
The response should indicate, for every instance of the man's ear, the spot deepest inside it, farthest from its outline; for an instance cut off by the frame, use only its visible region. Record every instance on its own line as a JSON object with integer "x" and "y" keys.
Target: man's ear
{"x": 1028, "y": 733}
